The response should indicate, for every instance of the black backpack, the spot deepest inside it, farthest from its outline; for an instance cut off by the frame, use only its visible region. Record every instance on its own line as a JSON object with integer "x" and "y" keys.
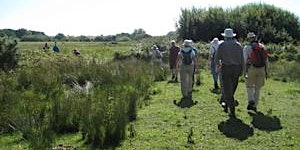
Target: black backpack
{"x": 187, "y": 57}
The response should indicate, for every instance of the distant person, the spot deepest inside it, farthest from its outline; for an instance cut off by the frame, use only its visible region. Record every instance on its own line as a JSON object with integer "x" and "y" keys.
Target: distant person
{"x": 174, "y": 50}
{"x": 76, "y": 52}
{"x": 185, "y": 63}
{"x": 256, "y": 60}
{"x": 229, "y": 59}
{"x": 55, "y": 48}
{"x": 212, "y": 52}
{"x": 156, "y": 56}
{"x": 46, "y": 47}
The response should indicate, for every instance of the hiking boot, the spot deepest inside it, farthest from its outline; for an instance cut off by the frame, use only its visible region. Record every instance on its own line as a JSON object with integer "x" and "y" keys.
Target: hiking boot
{"x": 225, "y": 108}
{"x": 236, "y": 103}
{"x": 216, "y": 86}
{"x": 251, "y": 105}
{"x": 173, "y": 77}
{"x": 176, "y": 80}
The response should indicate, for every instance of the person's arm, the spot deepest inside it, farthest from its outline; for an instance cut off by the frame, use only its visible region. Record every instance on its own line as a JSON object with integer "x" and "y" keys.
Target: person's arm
{"x": 177, "y": 62}
{"x": 217, "y": 61}
{"x": 210, "y": 53}
{"x": 195, "y": 59}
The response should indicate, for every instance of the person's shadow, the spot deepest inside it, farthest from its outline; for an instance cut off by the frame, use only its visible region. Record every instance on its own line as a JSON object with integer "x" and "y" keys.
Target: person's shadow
{"x": 235, "y": 128}
{"x": 265, "y": 122}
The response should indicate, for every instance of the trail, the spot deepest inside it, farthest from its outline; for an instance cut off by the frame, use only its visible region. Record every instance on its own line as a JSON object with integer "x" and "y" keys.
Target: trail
{"x": 162, "y": 125}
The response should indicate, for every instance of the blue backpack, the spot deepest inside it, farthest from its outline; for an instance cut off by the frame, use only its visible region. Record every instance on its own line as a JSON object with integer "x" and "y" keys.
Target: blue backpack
{"x": 55, "y": 49}
{"x": 187, "y": 57}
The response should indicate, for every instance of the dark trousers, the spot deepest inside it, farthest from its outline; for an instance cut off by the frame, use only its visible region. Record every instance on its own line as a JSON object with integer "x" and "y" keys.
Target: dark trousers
{"x": 230, "y": 78}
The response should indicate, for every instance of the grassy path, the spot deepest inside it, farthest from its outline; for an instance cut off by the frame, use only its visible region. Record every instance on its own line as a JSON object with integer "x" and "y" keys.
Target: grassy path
{"x": 162, "y": 125}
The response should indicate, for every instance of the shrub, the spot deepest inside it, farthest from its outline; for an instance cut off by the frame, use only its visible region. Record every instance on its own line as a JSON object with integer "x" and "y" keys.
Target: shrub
{"x": 8, "y": 54}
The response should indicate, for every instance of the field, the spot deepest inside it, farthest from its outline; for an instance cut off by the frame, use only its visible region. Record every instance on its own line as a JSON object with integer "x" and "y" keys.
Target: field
{"x": 162, "y": 125}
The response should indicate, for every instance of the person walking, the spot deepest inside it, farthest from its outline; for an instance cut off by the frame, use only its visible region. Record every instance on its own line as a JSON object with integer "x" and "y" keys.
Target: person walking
{"x": 256, "y": 61}
{"x": 229, "y": 58}
{"x": 212, "y": 52}
{"x": 174, "y": 50}
{"x": 185, "y": 63}
{"x": 55, "y": 48}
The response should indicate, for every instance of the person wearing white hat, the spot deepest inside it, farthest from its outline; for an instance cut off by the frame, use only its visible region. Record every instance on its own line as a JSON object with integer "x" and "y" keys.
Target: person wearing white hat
{"x": 256, "y": 70}
{"x": 229, "y": 57}
{"x": 174, "y": 50}
{"x": 186, "y": 64}
{"x": 213, "y": 49}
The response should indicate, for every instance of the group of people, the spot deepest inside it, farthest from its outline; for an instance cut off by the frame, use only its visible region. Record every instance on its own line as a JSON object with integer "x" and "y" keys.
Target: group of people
{"x": 228, "y": 61}
{"x": 56, "y": 49}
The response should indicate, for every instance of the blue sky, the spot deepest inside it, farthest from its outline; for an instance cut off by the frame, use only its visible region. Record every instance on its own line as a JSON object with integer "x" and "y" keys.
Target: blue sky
{"x": 96, "y": 17}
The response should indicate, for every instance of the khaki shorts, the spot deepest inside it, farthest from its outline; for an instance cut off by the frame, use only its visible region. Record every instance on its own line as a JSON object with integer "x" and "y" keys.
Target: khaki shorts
{"x": 256, "y": 77}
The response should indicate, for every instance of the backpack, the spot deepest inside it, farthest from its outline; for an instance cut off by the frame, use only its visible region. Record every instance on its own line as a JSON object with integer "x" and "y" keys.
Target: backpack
{"x": 158, "y": 54}
{"x": 187, "y": 57}
{"x": 258, "y": 56}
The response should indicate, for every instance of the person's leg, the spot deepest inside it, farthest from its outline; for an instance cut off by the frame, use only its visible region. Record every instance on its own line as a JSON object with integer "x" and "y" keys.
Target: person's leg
{"x": 260, "y": 82}
{"x": 190, "y": 73}
{"x": 250, "y": 85}
{"x": 183, "y": 80}
{"x": 227, "y": 85}
{"x": 214, "y": 74}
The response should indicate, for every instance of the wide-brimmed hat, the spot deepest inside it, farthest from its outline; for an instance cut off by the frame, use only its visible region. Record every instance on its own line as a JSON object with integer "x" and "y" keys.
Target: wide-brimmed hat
{"x": 187, "y": 42}
{"x": 251, "y": 35}
{"x": 228, "y": 33}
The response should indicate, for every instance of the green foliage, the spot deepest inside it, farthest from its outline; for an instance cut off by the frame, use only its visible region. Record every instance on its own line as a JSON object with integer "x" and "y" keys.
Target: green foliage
{"x": 272, "y": 24}
{"x": 286, "y": 71}
{"x": 47, "y": 94}
{"x": 8, "y": 54}
{"x": 35, "y": 38}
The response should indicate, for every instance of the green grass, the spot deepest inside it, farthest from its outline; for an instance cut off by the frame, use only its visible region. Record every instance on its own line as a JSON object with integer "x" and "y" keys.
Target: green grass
{"x": 101, "y": 50}
{"x": 162, "y": 125}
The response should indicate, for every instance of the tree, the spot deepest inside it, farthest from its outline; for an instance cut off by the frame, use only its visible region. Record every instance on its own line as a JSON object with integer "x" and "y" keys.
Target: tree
{"x": 270, "y": 23}
{"x": 60, "y": 36}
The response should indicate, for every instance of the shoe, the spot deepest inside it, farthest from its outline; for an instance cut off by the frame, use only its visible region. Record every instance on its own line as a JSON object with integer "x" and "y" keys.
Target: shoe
{"x": 173, "y": 77}
{"x": 250, "y": 105}
{"x": 225, "y": 108}
{"x": 176, "y": 80}
{"x": 236, "y": 103}
{"x": 216, "y": 86}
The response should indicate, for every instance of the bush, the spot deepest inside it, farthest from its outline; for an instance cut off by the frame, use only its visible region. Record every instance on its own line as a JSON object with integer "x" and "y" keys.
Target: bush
{"x": 48, "y": 95}
{"x": 8, "y": 54}
{"x": 285, "y": 70}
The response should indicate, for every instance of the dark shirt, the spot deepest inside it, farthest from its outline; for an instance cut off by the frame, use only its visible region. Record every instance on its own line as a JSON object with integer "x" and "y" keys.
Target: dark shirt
{"x": 230, "y": 52}
{"x": 173, "y": 54}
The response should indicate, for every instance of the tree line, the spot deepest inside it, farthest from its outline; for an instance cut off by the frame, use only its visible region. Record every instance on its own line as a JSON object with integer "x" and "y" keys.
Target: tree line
{"x": 36, "y": 36}
{"x": 270, "y": 23}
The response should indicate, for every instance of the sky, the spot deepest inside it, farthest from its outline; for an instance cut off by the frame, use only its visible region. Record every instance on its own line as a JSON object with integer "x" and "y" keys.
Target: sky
{"x": 109, "y": 17}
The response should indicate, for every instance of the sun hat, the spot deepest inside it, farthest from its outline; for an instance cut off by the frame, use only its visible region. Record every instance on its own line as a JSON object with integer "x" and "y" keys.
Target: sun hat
{"x": 228, "y": 33}
{"x": 173, "y": 41}
{"x": 187, "y": 42}
{"x": 251, "y": 35}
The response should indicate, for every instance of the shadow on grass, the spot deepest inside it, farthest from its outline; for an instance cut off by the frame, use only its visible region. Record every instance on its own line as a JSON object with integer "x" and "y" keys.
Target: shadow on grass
{"x": 265, "y": 122}
{"x": 235, "y": 128}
